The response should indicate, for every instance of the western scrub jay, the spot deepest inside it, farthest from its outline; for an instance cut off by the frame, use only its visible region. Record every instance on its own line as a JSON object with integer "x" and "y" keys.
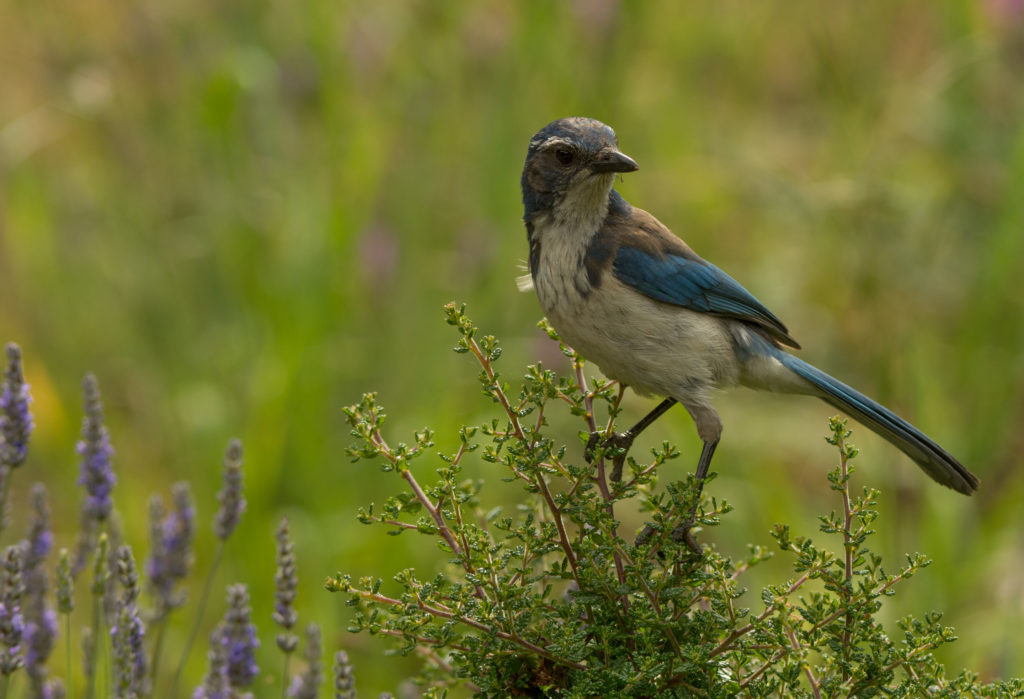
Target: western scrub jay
{"x": 633, "y": 298}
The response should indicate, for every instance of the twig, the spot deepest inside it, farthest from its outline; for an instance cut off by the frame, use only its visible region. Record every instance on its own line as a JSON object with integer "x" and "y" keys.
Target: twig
{"x": 602, "y": 480}
{"x": 432, "y": 656}
{"x": 446, "y": 614}
{"x": 747, "y": 628}
{"x": 557, "y": 514}
{"x": 760, "y": 671}
{"x": 435, "y": 514}
{"x": 498, "y": 392}
{"x": 845, "y": 590}
{"x": 807, "y": 668}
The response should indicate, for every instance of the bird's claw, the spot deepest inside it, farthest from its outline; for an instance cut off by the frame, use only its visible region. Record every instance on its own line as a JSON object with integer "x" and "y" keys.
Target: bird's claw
{"x": 617, "y": 441}
{"x": 684, "y": 533}
{"x": 588, "y": 451}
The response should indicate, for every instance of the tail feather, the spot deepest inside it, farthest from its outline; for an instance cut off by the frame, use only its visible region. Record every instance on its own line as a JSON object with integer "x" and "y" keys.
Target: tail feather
{"x": 933, "y": 459}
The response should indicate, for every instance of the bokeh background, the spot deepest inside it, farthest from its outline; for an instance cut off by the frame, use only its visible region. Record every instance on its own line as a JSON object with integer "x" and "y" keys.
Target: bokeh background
{"x": 242, "y": 215}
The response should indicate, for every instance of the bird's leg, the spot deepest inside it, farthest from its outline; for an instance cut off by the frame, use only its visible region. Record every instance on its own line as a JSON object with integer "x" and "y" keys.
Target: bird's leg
{"x": 682, "y": 532}
{"x": 624, "y": 440}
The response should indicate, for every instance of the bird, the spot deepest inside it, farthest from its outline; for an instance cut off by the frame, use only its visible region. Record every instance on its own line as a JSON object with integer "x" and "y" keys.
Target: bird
{"x": 633, "y": 298}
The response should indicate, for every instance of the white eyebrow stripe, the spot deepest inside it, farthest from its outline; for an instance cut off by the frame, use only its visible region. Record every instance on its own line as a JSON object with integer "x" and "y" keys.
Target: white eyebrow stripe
{"x": 553, "y": 141}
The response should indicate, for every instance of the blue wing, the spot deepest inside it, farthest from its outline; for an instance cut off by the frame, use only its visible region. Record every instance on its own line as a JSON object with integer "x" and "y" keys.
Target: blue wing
{"x": 695, "y": 284}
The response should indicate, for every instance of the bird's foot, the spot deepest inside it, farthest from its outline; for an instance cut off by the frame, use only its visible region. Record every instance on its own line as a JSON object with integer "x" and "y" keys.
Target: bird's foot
{"x": 684, "y": 533}
{"x": 617, "y": 445}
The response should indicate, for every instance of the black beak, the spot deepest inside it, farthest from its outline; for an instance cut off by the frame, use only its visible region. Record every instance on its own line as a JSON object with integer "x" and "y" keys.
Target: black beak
{"x": 613, "y": 160}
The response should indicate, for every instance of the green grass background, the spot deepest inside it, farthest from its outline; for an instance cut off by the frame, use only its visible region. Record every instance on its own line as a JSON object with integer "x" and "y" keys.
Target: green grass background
{"x": 242, "y": 215}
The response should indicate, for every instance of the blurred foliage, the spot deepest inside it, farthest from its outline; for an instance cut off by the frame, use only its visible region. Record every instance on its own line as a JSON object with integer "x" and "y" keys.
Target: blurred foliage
{"x": 241, "y": 216}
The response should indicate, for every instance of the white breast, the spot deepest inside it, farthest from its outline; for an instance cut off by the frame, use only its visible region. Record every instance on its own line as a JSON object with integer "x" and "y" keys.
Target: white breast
{"x": 560, "y": 279}
{"x": 651, "y": 346}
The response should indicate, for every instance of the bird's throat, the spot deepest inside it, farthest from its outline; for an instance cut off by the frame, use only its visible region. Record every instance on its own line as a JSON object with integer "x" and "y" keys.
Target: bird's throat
{"x": 585, "y": 205}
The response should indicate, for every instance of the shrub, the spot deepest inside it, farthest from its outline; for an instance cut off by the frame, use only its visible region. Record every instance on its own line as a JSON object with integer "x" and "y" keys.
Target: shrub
{"x": 556, "y": 600}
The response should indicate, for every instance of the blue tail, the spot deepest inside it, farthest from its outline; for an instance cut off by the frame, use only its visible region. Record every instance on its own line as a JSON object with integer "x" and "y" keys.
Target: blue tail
{"x": 935, "y": 460}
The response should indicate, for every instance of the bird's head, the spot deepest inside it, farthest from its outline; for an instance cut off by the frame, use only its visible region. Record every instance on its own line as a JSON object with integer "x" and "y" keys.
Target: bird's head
{"x": 570, "y": 167}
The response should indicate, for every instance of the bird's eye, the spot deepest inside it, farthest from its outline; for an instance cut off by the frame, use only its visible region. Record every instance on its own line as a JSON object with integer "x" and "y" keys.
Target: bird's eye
{"x": 564, "y": 156}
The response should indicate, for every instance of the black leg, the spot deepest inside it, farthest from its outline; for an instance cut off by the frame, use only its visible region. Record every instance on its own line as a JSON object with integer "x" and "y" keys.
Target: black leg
{"x": 650, "y": 417}
{"x": 624, "y": 440}
{"x": 682, "y": 532}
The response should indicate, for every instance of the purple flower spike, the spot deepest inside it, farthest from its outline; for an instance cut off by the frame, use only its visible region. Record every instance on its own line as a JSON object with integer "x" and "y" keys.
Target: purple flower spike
{"x": 127, "y": 637}
{"x": 15, "y": 418}
{"x": 239, "y": 638}
{"x": 232, "y": 504}
{"x": 171, "y": 548}
{"x": 215, "y": 684}
{"x": 12, "y": 624}
{"x": 40, "y": 619}
{"x": 306, "y": 685}
{"x": 179, "y": 530}
{"x": 286, "y": 583}
{"x": 40, "y": 538}
{"x": 40, "y": 636}
{"x": 12, "y": 628}
{"x": 96, "y": 474}
{"x": 127, "y": 632}
{"x": 344, "y": 678}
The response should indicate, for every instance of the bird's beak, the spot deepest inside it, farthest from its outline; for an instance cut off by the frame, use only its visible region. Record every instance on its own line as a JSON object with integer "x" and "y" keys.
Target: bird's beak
{"x": 613, "y": 160}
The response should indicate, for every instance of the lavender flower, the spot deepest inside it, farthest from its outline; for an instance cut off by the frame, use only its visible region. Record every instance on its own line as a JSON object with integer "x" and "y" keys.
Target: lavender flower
{"x": 40, "y": 621}
{"x": 96, "y": 474}
{"x": 215, "y": 683}
{"x": 40, "y": 539}
{"x": 12, "y": 624}
{"x": 127, "y": 632}
{"x": 34, "y": 549}
{"x": 40, "y": 636}
{"x": 128, "y": 575}
{"x": 111, "y": 598}
{"x": 307, "y": 684}
{"x": 171, "y": 548}
{"x": 54, "y": 690}
{"x": 232, "y": 504}
{"x": 129, "y": 655}
{"x": 12, "y": 628}
{"x": 170, "y": 558}
{"x": 239, "y": 638}
{"x": 15, "y": 418}
{"x": 286, "y": 583}
{"x": 157, "y": 514}
{"x": 180, "y": 530}
{"x": 5, "y": 486}
{"x": 344, "y": 678}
